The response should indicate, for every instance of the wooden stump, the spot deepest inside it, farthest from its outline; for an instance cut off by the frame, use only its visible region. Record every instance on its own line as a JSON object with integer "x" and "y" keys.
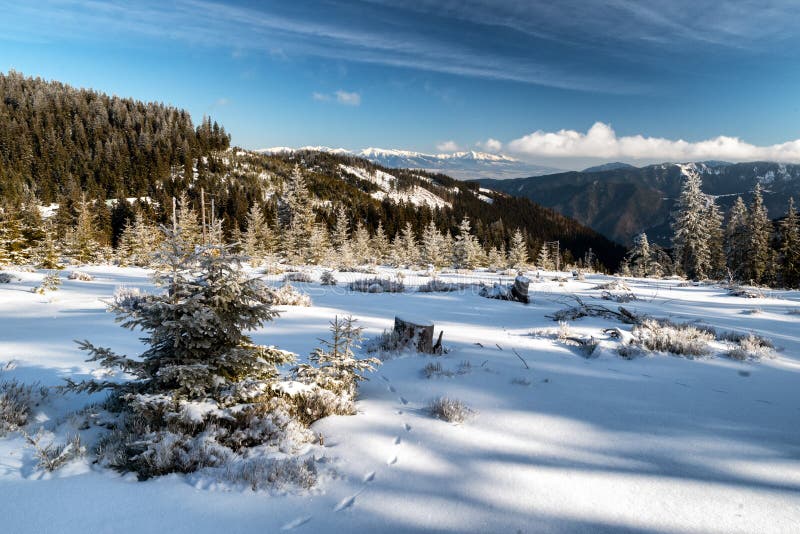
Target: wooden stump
{"x": 417, "y": 335}
{"x": 520, "y": 289}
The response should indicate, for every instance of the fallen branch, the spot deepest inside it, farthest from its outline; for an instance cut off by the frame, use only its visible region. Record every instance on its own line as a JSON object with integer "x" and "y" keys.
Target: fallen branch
{"x": 520, "y": 357}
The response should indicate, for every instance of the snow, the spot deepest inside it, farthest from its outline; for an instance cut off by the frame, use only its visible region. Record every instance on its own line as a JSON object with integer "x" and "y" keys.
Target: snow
{"x": 657, "y": 443}
{"x": 415, "y": 195}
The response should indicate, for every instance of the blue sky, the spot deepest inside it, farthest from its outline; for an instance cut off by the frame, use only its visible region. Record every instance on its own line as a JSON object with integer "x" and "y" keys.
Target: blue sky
{"x": 560, "y": 83}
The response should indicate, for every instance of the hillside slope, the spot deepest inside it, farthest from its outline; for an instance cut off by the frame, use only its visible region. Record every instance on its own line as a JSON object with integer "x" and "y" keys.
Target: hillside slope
{"x": 621, "y": 203}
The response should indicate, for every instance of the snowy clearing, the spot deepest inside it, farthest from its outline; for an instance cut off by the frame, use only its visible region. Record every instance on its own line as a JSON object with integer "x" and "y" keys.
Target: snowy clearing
{"x": 553, "y": 441}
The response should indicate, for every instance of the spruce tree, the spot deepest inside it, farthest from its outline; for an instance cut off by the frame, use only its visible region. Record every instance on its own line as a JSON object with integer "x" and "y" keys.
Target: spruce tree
{"x": 790, "y": 247}
{"x": 639, "y": 257}
{"x": 380, "y": 244}
{"x": 544, "y": 261}
{"x": 197, "y": 352}
{"x": 759, "y": 231}
{"x": 301, "y": 219}
{"x": 465, "y": 249}
{"x": 362, "y": 252}
{"x": 518, "y": 251}
{"x": 188, "y": 223}
{"x": 258, "y": 240}
{"x": 716, "y": 241}
{"x": 690, "y": 240}
{"x": 84, "y": 247}
{"x": 431, "y": 252}
{"x": 736, "y": 239}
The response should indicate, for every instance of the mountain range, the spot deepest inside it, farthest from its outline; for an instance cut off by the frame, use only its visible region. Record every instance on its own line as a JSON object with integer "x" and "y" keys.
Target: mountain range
{"x": 624, "y": 201}
{"x": 467, "y": 165}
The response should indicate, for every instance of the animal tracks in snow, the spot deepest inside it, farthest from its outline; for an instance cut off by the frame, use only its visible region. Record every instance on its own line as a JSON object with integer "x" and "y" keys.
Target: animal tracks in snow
{"x": 345, "y": 503}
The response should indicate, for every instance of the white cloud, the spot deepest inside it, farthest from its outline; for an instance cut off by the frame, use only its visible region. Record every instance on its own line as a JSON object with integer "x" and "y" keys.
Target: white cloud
{"x": 320, "y": 97}
{"x": 447, "y": 146}
{"x": 348, "y": 99}
{"x": 601, "y": 141}
{"x": 490, "y": 145}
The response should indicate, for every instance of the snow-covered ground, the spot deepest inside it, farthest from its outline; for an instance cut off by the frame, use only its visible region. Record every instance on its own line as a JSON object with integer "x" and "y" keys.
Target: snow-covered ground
{"x": 655, "y": 444}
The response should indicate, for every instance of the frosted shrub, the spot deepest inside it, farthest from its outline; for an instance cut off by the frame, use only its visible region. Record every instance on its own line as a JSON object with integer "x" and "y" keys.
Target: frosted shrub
{"x": 80, "y": 276}
{"x": 300, "y": 276}
{"x": 665, "y": 336}
{"x": 327, "y": 279}
{"x": 450, "y": 410}
{"x": 437, "y": 285}
{"x": 5, "y": 278}
{"x": 17, "y": 401}
{"x": 287, "y": 295}
{"x": 386, "y": 342}
{"x": 272, "y": 473}
{"x": 435, "y": 369}
{"x": 52, "y": 456}
{"x": 128, "y": 298}
{"x": 377, "y": 285}
{"x": 751, "y": 347}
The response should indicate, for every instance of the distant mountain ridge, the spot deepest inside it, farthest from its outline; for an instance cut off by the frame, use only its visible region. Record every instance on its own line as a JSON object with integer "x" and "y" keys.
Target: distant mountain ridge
{"x": 623, "y": 202}
{"x": 464, "y": 165}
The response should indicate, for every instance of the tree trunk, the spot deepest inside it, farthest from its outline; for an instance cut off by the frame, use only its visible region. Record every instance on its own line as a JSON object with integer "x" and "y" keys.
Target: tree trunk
{"x": 418, "y": 336}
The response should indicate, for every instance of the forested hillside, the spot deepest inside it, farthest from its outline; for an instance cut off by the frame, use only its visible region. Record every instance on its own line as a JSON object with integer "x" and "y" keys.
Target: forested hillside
{"x": 76, "y": 147}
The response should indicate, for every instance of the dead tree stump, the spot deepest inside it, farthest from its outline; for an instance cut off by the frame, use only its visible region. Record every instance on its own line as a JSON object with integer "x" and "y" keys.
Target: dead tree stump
{"x": 414, "y": 334}
{"x": 520, "y": 289}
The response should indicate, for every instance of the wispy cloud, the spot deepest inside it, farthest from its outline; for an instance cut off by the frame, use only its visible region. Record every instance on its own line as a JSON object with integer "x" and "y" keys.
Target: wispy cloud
{"x": 602, "y": 142}
{"x": 490, "y": 145}
{"x": 346, "y": 98}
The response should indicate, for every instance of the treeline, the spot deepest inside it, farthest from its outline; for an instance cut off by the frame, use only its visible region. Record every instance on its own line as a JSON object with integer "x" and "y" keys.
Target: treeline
{"x": 55, "y": 139}
{"x": 745, "y": 246}
{"x": 87, "y": 152}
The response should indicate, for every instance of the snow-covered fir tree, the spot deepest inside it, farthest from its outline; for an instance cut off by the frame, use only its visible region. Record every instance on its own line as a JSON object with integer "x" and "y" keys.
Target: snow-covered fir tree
{"x": 544, "y": 261}
{"x": 83, "y": 246}
{"x": 736, "y": 239}
{"x": 518, "y": 251}
{"x": 690, "y": 241}
{"x": 202, "y": 389}
{"x": 758, "y": 260}
{"x": 716, "y": 241}
{"x": 497, "y": 258}
{"x": 13, "y": 246}
{"x": 466, "y": 253}
{"x": 317, "y": 250}
{"x": 335, "y": 367}
{"x": 362, "y": 252}
{"x": 380, "y": 244}
{"x": 432, "y": 246}
{"x": 258, "y": 240}
{"x": 790, "y": 247}
{"x": 340, "y": 239}
{"x": 48, "y": 251}
{"x": 299, "y": 221}
{"x": 188, "y": 222}
{"x": 405, "y": 250}
{"x": 639, "y": 256}
{"x": 138, "y": 241}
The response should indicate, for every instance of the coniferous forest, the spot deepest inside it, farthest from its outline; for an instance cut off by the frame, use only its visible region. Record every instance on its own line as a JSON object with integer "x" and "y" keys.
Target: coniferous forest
{"x": 85, "y": 152}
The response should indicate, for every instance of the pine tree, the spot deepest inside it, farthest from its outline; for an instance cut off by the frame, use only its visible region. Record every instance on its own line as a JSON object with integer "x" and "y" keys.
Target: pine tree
{"x": 258, "y": 240}
{"x": 84, "y": 247}
{"x": 465, "y": 249}
{"x": 544, "y": 262}
{"x": 716, "y": 241}
{"x": 340, "y": 239}
{"x": 639, "y": 256}
{"x": 497, "y": 258}
{"x": 48, "y": 253}
{"x": 138, "y": 241}
{"x": 336, "y": 367}
{"x": 197, "y": 352}
{"x": 317, "y": 250}
{"x": 13, "y": 248}
{"x": 689, "y": 239}
{"x": 736, "y": 239}
{"x": 380, "y": 244}
{"x": 188, "y": 223}
{"x": 759, "y": 232}
{"x": 301, "y": 219}
{"x": 518, "y": 251}
{"x": 362, "y": 252}
{"x": 431, "y": 248}
{"x": 790, "y": 247}
{"x": 405, "y": 249}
